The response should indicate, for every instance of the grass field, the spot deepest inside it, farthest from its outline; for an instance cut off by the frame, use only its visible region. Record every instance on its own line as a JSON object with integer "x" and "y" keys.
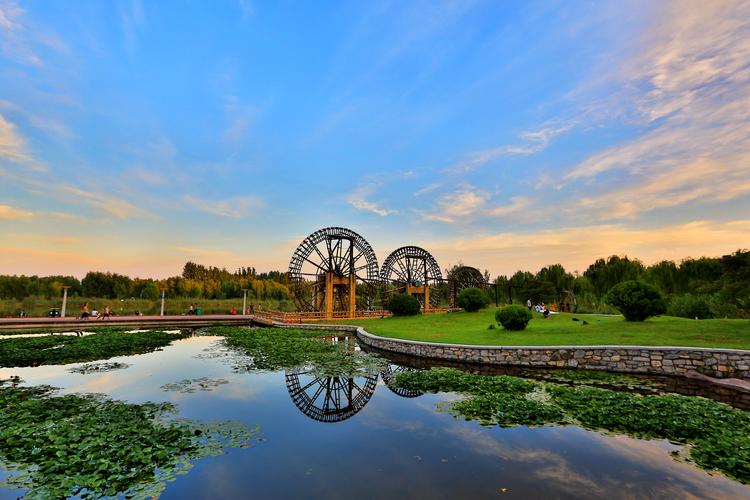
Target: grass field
{"x": 561, "y": 329}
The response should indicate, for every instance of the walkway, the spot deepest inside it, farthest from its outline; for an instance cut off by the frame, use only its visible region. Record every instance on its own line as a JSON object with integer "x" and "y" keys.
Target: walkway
{"x": 129, "y": 321}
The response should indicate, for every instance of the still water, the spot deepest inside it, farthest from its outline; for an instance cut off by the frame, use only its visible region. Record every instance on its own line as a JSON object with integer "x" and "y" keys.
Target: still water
{"x": 316, "y": 442}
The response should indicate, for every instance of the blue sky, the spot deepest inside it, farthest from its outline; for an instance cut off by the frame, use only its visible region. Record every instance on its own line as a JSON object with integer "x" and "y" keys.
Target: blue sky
{"x": 137, "y": 135}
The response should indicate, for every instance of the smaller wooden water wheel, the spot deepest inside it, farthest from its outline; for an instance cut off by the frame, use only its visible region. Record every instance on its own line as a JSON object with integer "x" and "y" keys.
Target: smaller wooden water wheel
{"x": 412, "y": 270}
{"x": 463, "y": 277}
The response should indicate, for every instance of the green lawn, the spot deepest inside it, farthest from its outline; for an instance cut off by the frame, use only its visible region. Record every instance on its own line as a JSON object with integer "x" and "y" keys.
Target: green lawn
{"x": 560, "y": 329}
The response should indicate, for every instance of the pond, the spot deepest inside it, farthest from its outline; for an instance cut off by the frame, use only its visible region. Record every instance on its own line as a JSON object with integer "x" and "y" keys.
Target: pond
{"x": 305, "y": 432}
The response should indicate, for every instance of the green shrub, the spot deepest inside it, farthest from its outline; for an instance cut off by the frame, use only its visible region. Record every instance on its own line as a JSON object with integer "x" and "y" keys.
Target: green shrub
{"x": 513, "y": 317}
{"x": 472, "y": 299}
{"x": 636, "y": 300}
{"x": 403, "y": 305}
{"x": 690, "y": 306}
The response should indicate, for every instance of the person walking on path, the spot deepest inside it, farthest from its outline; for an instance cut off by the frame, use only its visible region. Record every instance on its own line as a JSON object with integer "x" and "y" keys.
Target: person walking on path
{"x": 85, "y": 311}
{"x": 528, "y": 304}
{"x": 106, "y": 313}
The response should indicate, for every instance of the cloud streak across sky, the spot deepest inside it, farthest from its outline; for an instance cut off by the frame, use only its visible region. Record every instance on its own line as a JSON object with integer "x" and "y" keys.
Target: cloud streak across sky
{"x": 504, "y": 136}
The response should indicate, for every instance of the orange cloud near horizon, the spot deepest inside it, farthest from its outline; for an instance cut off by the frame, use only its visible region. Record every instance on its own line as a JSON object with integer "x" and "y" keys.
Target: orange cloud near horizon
{"x": 578, "y": 247}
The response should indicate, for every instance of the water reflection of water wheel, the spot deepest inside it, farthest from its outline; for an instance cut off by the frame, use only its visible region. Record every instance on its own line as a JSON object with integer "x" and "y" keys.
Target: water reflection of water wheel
{"x": 329, "y": 399}
{"x": 389, "y": 377}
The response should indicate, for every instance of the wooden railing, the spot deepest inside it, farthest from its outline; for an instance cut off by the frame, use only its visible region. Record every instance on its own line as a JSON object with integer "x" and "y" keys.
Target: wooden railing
{"x": 304, "y": 317}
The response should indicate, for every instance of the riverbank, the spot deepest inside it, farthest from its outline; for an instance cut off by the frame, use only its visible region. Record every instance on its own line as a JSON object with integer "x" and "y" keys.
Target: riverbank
{"x": 563, "y": 329}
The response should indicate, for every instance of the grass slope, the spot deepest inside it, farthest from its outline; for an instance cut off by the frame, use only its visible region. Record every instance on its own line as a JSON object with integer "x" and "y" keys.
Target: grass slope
{"x": 560, "y": 329}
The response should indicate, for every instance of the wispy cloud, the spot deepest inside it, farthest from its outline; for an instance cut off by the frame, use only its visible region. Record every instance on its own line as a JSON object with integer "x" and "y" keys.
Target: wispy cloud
{"x": 13, "y": 146}
{"x": 427, "y": 189}
{"x": 109, "y": 204}
{"x": 202, "y": 252}
{"x": 689, "y": 88}
{"x": 359, "y": 200}
{"x": 133, "y": 21}
{"x": 52, "y": 127}
{"x": 469, "y": 203}
{"x": 237, "y": 207}
{"x": 240, "y": 118}
{"x": 9, "y": 213}
{"x": 533, "y": 141}
{"x": 14, "y": 42}
{"x": 360, "y": 197}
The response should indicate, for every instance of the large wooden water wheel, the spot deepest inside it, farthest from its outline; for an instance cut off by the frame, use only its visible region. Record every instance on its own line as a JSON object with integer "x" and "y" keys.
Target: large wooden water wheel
{"x": 414, "y": 271}
{"x": 333, "y": 271}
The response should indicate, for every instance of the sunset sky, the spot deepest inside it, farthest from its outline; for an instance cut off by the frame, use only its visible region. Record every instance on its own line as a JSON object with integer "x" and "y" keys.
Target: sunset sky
{"x": 135, "y": 136}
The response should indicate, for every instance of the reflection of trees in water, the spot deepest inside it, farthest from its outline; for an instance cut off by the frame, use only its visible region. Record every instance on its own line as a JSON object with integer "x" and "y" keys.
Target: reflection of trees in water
{"x": 329, "y": 399}
{"x": 389, "y": 377}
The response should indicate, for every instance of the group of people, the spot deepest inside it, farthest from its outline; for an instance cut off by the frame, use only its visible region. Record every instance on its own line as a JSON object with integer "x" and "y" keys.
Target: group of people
{"x": 86, "y": 313}
{"x": 250, "y": 310}
{"x": 541, "y": 308}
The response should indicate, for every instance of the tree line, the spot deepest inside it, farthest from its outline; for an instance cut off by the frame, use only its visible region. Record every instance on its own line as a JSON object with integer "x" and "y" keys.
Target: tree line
{"x": 720, "y": 285}
{"x": 197, "y": 281}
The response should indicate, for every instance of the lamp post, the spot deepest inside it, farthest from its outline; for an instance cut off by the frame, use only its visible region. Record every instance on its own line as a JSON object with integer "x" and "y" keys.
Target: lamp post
{"x": 65, "y": 301}
{"x": 244, "y": 301}
{"x": 162, "y": 301}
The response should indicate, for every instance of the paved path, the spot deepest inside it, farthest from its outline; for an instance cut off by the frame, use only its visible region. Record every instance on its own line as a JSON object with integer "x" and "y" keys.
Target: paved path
{"x": 134, "y": 321}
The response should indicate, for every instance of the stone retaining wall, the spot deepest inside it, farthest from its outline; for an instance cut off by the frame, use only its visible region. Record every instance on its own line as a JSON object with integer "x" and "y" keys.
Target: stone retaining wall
{"x": 680, "y": 361}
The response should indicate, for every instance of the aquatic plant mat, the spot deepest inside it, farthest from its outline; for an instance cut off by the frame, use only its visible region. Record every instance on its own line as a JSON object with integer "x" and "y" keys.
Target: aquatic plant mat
{"x": 64, "y": 445}
{"x": 717, "y": 436}
{"x": 98, "y": 367}
{"x": 59, "y": 349}
{"x": 328, "y": 354}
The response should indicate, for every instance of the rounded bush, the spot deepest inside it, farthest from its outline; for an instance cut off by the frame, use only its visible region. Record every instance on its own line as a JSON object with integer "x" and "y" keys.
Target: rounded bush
{"x": 513, "y": 317}
{"x": 690, "y": 306}
{"x": 472, "y": 299}
{"x": 403, "y": 305}
{"x": 636, "y": 300}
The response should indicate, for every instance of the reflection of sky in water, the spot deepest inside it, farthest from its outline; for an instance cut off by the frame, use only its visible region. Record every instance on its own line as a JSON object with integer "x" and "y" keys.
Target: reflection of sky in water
{"x": 394, "y": 447}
